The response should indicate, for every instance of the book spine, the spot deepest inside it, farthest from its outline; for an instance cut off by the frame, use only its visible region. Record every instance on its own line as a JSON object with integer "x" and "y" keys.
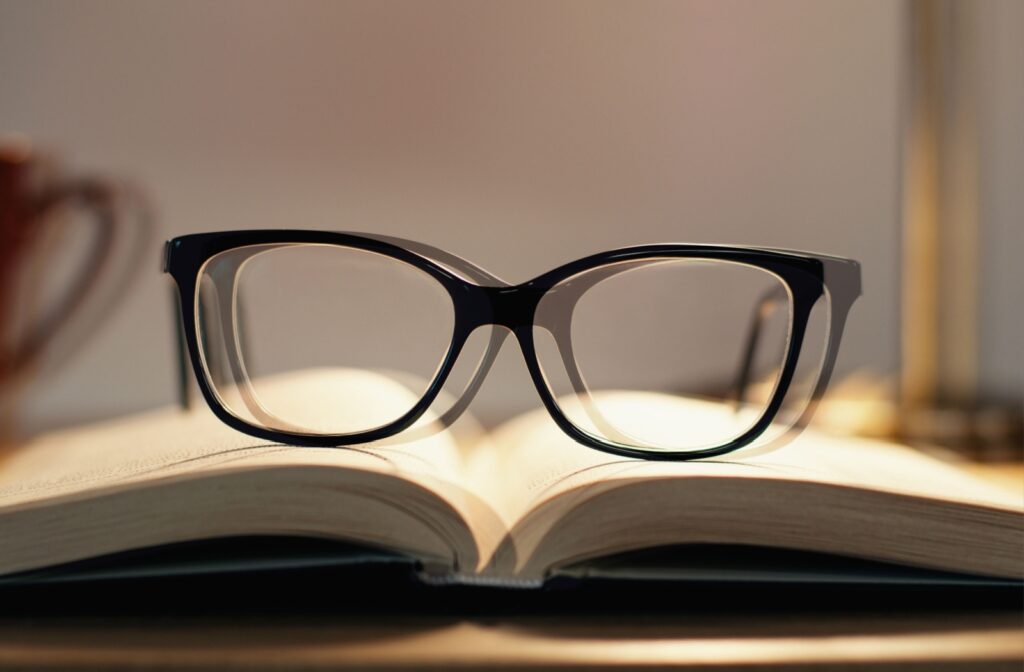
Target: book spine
{"x": 460, "y": 579}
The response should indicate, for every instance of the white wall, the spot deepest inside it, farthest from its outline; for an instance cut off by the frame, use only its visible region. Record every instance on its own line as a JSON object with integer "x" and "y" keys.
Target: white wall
{"x": 1000, "y": 37}
{"x": 519, "y": 134}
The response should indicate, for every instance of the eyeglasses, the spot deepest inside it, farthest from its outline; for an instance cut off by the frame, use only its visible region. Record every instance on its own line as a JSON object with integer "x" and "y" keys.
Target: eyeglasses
{"x": 669, "y": 352}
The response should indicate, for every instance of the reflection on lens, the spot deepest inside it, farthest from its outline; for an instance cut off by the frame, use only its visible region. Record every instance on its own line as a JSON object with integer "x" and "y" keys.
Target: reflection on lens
{"x": 320, "y": 339}
{"x": 664, "y": 354}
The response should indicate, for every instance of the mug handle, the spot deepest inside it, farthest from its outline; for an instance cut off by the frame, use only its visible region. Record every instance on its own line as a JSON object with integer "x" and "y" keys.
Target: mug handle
{"x": 103, "y": 201}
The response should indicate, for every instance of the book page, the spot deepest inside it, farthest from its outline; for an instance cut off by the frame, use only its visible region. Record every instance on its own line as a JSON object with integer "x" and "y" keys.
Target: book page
{"x": 170, "y": 441}
{"x": 542, "y": 477}
{"x": 539, "y": 461}
{"x": 82, "y": 463}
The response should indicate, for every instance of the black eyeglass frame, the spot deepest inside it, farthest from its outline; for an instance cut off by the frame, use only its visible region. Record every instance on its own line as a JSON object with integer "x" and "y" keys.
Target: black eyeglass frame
{"x": 806, "y": 276}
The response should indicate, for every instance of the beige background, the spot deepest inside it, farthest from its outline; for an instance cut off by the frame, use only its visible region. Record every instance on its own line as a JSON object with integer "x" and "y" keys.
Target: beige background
{"x": 520, "y": 135}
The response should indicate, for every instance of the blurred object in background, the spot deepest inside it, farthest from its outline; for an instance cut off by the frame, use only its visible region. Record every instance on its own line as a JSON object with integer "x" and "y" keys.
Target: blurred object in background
{"x": 943, "y": 399}
{"x": 68, "y": 248}
{"x": 960, "y": 383}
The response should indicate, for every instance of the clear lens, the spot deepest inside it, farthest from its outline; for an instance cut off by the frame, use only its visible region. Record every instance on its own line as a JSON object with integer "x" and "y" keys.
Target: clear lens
{"x": 320, "y": 339}
{"x": 665, "y": 354}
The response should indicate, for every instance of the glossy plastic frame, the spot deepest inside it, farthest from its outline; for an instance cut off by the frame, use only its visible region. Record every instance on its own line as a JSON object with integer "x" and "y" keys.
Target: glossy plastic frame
{"x": 807, "y": 278}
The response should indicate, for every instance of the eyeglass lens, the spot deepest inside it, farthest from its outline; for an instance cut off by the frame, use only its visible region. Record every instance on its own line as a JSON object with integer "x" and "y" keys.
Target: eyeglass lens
{"x": 365, "y": 333}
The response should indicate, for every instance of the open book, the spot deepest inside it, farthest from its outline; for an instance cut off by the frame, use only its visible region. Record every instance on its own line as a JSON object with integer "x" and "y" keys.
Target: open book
{"x": 514, "y": 506}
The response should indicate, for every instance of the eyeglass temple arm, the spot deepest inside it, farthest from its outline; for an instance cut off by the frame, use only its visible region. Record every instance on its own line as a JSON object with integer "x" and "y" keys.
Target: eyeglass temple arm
{"x": 181, "y": 347}
{"x": 843, "y": 286}
{"x": 184, "y": 389}
{"x": 182, "y": 380}
{"x": 766, "y": 305}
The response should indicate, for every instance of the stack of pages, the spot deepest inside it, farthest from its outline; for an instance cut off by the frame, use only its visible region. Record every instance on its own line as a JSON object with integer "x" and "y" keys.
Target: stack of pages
{"x": 515, "y": 507}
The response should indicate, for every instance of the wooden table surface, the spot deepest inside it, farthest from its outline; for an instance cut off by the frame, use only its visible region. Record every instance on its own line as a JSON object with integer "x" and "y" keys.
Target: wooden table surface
{"x": 885, "y": 639}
